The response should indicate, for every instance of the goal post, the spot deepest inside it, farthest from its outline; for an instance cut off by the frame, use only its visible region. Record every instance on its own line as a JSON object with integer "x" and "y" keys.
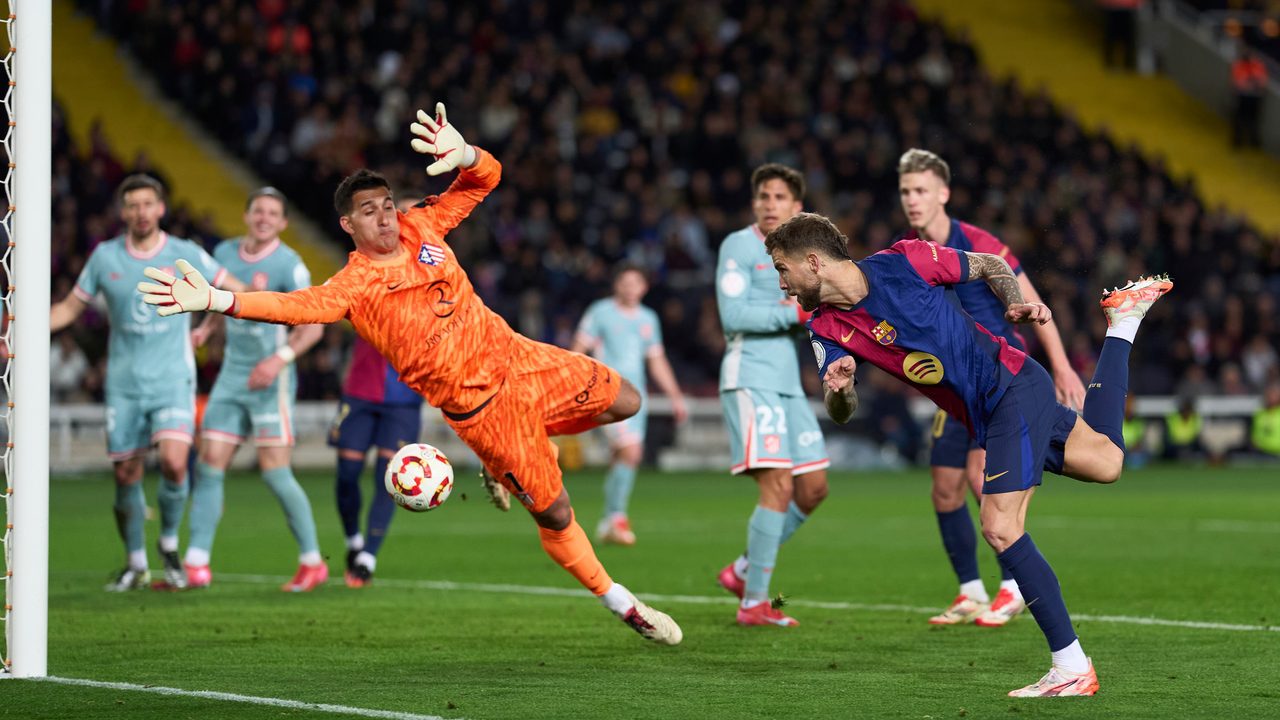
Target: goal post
{"x": 26, "y": 264}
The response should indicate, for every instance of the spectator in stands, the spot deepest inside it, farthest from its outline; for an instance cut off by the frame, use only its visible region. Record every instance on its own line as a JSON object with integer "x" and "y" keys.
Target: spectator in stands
{"x": 1260, "y": 362}
{"x": 1182, "y": 431}
{"x": 626, "y": 138}
{"x": 1265, "y": 433}
{"x": 1120, "y": 37}
{"x": 67, "y": 368}
{"x": 1249, "y": 80}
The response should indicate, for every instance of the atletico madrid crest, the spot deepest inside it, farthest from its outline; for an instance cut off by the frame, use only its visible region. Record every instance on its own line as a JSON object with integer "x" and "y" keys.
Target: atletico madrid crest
{"x": 431, "y": 254}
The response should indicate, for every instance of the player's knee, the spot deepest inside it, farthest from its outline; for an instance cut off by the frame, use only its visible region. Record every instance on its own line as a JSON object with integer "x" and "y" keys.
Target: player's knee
{"x": 1111, "y": 459}
{"x": 948, "y": 491}
{"x": 627, "y": 402}
{"x": 557, "y": 516}
{"x": 631, "y": 454}
{"x": 173, "y": 469}
{"x": 776, "y": 489}
{"x": 1000, "y": 532}
{"x": 809, "y": 495}
{"x": 127, "y": 474}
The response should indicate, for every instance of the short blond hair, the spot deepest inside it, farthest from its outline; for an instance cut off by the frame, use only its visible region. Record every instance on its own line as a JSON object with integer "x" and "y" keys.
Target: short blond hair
{"x": 916, "y": 160}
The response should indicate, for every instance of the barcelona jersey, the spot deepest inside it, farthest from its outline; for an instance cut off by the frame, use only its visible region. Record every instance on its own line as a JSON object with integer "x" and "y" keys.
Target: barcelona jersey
{"x": 371, "y": 378}
{"x": 907, "y": 327}
{"x": 975, "y": 297}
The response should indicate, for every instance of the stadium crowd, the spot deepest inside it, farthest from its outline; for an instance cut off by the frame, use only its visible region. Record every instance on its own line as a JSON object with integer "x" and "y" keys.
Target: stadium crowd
{"x": 628, "y": 131}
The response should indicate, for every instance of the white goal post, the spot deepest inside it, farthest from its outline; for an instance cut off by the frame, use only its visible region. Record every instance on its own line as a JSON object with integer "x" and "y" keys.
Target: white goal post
{"x": 26, "y": 267}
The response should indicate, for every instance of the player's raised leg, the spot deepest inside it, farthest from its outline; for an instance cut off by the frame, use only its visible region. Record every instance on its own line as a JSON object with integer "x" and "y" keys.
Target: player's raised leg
{"x": 1094, "y": 451}
{"x": 553, "y": 391}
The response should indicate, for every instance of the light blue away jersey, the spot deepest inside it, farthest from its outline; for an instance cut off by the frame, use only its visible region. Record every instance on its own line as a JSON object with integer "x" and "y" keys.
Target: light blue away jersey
{"x": 145, "y": 350}
{"x": 622, "y": 338}
{"x": 757, "y": 318}
{"x": 276, "y": 267}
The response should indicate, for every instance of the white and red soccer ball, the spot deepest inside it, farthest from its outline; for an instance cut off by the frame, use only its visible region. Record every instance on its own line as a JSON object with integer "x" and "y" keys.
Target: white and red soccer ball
{"x": 419, "y": 477}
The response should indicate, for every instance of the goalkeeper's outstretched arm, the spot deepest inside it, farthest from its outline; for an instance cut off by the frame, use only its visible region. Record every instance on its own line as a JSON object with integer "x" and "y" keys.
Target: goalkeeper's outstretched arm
{"x": 191, "y": 292}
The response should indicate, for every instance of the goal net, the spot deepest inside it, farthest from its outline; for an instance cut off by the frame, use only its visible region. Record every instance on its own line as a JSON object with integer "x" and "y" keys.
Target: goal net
{"x": 24, "y": 334}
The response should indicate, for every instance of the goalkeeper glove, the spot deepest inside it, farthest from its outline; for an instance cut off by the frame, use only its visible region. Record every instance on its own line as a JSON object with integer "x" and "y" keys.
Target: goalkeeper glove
{"x": 189, "y": 293}
{"x": 436, "y": 137}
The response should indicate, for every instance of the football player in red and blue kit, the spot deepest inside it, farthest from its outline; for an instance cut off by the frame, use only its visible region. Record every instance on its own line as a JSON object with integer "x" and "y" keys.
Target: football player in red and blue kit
{"x": 376, "y": 410}
{"x": 955, "y": 460}
{"x": 890, "y": 309}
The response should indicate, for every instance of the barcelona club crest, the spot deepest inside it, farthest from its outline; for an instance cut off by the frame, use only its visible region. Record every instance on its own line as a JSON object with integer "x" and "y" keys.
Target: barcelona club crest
{"x": 884, "y": 333}
{"x": 430, "y": 254}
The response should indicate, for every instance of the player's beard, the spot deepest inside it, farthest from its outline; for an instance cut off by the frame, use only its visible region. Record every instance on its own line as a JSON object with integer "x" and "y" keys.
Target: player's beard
{"x": 809, "y": 298}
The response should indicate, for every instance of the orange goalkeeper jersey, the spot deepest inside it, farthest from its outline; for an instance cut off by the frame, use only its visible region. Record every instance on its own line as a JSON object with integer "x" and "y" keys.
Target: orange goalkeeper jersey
{"x": 419, "y": 309}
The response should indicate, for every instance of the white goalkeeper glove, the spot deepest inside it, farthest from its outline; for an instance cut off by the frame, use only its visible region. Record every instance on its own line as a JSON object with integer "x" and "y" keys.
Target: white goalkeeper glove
{"x": 436, "y": 137}
{"x": 189, "y": 293}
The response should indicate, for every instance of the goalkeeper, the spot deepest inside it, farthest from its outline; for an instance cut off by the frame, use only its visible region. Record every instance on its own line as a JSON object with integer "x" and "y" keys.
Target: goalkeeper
{"x": 503, "y": 394}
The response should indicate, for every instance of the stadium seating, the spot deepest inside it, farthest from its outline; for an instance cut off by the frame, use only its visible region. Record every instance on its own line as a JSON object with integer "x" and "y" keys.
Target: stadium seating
{"x": 629, "y": 131}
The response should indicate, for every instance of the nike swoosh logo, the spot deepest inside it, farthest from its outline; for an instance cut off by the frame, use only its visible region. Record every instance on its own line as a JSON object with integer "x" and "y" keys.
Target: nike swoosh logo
{"x": 845, "y": 338}
{"x": 393, "y": 287}
{"x": 997, "y": 476}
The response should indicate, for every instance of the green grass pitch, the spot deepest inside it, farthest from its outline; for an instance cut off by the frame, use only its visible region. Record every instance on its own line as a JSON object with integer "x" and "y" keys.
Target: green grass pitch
{"x": 1170, "y": 543}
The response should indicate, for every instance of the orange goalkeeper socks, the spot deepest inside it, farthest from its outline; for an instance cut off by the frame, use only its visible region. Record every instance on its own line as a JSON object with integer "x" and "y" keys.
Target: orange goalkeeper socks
{"x": 572, "y": 551}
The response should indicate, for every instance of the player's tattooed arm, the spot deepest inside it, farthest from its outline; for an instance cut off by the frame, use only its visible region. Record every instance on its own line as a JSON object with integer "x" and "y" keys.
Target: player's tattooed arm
{"x": 998, "y": 274}
{"x": 838, "y": 390}
{"x": 1002, "y": 281}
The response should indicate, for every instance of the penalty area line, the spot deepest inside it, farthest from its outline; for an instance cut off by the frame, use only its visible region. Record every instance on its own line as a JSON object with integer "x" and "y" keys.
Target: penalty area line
{"x": 511, "y": 589}
{"x": 234, "y": 697}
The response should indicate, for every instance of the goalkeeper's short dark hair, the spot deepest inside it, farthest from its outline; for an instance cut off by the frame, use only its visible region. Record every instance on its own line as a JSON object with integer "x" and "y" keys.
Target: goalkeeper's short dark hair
{"x": 363, "y": 179}
{"x": 139, "y": 181}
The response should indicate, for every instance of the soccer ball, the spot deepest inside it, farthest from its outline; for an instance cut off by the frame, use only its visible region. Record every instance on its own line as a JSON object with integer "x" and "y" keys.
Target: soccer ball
{"x": 419, "y": 477}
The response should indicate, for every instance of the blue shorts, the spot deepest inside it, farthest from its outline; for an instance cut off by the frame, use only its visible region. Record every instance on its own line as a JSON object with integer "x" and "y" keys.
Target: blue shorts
{"x": 1026, "y": 433}
{"x": 362, "y": 424}
{"x": 769, "y": 430}
{"x": 135, "y": 422}
{"x": 951, "y": 442}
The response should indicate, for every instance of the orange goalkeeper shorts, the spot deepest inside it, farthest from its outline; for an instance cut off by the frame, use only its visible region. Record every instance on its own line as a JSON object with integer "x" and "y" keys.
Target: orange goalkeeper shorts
{"x": 548, "y": 391}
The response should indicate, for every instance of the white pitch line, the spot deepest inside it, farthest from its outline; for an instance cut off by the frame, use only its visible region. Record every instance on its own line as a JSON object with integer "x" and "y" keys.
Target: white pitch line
{"x": 510, "y": 589}
{"x": 249, "y": 699}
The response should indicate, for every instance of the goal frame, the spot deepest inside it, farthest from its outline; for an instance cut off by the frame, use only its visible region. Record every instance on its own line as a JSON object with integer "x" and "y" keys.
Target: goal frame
{"x": 26, "y": 305}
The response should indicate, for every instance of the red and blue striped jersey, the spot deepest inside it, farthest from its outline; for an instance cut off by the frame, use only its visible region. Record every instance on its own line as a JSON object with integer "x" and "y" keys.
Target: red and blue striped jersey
{"x": 975, "y": 297}
{"x": 907, "y": 327}
{"x": 370, "y": 377}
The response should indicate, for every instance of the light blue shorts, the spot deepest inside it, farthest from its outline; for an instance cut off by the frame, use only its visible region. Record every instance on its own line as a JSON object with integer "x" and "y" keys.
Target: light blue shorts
{"x": 136, "y": 421}
{"x": 768, "y": 430}
{"x": 628, "y": 432}
{"x": 235, "y": 413}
